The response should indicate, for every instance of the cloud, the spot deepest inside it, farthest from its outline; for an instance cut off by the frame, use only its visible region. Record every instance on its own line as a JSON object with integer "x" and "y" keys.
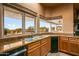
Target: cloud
{"x": 11, "y": 26}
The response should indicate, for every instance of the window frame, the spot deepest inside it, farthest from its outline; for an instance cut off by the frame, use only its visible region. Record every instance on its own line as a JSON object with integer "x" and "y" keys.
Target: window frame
{"x": 56, "y": 31}
{"x": 21, "y": 13}
{"x": 47, "y": 22}
{"x": 34, "y": 18}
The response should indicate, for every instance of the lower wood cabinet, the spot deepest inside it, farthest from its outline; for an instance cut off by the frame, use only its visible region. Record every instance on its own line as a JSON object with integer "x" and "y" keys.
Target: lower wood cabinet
{"x": 42, "y": 47}
{"x": 45, "y": 46}
{"x": 73, "y": 46}
{"x": 44, "y": 50}
{"x": 39, "y": 48}
{"x": 34, "y": 52}
{"x": 69, "y": 45}
{"x": 63, "y": 44}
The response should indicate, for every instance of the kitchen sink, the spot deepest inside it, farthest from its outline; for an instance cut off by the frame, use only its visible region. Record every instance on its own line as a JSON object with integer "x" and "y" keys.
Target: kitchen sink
{"x": 36, "y": 37}
{"x": 28, "y": 39}
{"x": 33, "y": 38}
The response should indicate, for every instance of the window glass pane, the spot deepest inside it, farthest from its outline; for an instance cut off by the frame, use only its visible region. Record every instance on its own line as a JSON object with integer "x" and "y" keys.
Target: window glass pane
{"x": 53, "y": 27}
{"x": 57, "y": 25}
{"x": 44, "y": 26}
{"x": 29, "y": 25}
{"x": 12, "y": 21}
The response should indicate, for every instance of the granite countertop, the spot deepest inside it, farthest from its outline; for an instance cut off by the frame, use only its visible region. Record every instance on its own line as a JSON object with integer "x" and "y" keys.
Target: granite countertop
{"x": 14, "y": 45}
{"x": 17, "y": 44}
{"x": 30, "y": 34}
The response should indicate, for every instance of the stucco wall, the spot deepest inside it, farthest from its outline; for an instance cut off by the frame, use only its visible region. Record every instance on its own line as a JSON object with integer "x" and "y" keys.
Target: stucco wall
{"x": 66, "y": 10}
{"x": 36, "y": 7}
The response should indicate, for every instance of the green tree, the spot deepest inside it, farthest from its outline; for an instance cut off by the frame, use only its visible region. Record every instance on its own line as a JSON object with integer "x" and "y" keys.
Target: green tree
{"x": 19, "y": 30}
{"x": 6, "y": 31}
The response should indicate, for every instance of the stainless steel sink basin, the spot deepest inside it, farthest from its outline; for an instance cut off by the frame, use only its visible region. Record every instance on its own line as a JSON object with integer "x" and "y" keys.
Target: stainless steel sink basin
{"x": 28, "y": 39}
{"x": 33, "y": 38}
{"x": 36, "y": 37}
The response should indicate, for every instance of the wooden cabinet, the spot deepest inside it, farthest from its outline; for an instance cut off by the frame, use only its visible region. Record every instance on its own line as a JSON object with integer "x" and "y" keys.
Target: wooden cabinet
{"x": 73, "y": 46}
{"x": 69, "y": 45}
{"x": 63, "y": 44}
{"x": 44, "y": 50}
{"x": 33, "y": 45}
{"x": 34, "y": 49}
{"x": 39, "y": 48}
{"x": 34, "y": 52}
{"x": 44, "y": 47}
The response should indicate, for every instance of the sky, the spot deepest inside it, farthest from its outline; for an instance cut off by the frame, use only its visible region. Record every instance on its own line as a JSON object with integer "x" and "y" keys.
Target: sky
{"x": 29, "y": 23}
{"x": 44, "y": 24}
{"x": 13, "y": 23}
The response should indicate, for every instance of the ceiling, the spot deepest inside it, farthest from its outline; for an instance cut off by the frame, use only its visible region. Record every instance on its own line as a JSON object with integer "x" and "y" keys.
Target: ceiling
{"x": 51, "y": 4}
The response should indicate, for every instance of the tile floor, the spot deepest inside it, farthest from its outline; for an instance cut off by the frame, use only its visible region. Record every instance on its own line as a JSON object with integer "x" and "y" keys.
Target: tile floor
{"x": 58, "y": 54}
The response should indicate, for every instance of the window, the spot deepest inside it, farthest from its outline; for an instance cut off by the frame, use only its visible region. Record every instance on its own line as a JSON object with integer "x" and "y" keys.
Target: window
{"x": 29, "y": 24}
{"x": 53, "y": 27}
{"x": 57, "y": 25}
{"x": 44, "y": 26}
{"x": 12, "y": 21}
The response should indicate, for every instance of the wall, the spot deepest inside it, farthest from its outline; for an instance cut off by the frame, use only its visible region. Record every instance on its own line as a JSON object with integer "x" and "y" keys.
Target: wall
{"x": 48, "y": 11}
{"x": 1, "y": 21}
{"x": 36, "y": 7}
{"x": 66, "y": 10}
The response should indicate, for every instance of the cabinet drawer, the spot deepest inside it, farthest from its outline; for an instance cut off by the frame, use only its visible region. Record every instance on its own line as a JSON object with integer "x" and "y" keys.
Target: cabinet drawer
{"x": 33, "y": 45}
{"x": 77, "y": 39}
{"x": 72, "y": 40}
{"x": 34, "y": 52}
{"x": 63, "y": 39}
{"x": 44, "y": 40}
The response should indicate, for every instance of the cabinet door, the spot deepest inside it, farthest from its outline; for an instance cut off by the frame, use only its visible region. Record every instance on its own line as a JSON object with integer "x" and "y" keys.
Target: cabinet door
{"x": 73, "y": 48}
{"x": 64, "y": 44}
{"x": 34, "y": 52}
